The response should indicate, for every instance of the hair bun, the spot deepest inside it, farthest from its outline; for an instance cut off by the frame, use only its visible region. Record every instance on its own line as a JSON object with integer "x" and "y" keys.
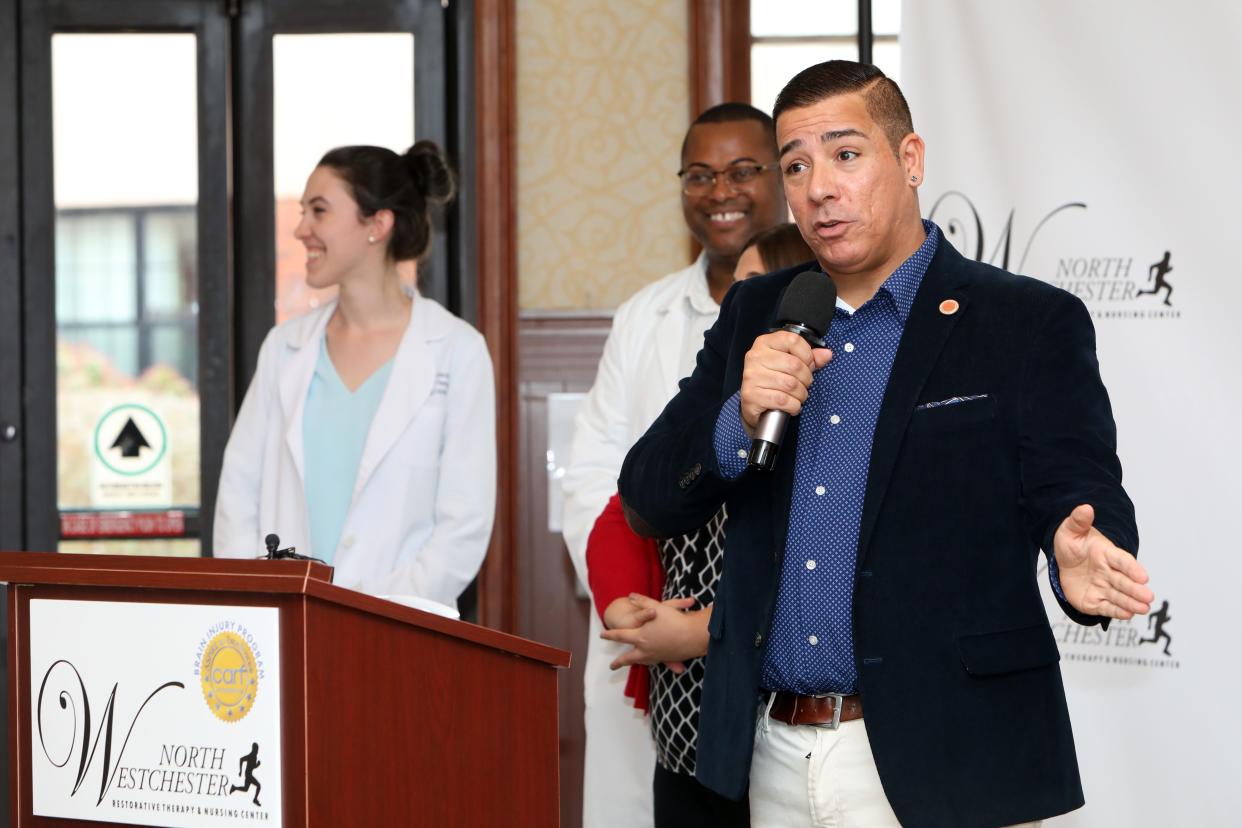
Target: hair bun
{"x": 430, "y": 171}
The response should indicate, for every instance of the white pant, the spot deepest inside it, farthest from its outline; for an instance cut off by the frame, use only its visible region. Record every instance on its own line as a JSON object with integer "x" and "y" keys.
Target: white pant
{"x": 620, "y": 754}
{"x": 809, "y": 776}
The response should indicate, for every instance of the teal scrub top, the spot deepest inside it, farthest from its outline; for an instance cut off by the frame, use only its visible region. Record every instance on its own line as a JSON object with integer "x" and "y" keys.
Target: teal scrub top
{"x": 335, "y": 424}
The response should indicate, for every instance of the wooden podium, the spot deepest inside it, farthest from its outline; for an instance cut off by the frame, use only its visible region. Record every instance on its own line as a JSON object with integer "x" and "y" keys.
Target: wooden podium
{"x": 389, "y": 716}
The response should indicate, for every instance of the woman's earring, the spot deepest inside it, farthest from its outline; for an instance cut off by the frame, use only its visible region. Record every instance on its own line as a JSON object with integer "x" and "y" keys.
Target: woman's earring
{"x": 370, "y": 239}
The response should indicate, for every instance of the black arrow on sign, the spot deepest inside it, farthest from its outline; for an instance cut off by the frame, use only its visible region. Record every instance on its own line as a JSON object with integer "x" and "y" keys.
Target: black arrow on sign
{"x": 130, "y": 441}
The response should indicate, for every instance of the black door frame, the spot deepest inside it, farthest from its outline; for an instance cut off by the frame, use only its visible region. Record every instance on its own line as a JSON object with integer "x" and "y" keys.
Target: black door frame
{"x": 235, "y": 207}
{"x": 12, "y": 411}
{"x": 39, "y": 20}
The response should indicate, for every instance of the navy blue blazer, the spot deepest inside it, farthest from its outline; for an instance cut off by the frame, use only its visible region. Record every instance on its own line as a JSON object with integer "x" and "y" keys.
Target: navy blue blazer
{"x": 965, "y": 707}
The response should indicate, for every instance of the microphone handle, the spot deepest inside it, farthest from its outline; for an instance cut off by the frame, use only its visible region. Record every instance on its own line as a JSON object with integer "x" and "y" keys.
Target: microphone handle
{"x": 767, "y": 440}
{"x": 771, "y": 427}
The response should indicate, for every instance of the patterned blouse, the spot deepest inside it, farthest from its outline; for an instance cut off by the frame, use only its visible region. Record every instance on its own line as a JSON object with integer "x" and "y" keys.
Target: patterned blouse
{"x": 692, "y": 565}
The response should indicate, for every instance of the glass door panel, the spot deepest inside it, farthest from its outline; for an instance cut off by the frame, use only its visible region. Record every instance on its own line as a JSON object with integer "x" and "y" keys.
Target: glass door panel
{"x": 330, "y": 90}
{"x": 125, "y": 131}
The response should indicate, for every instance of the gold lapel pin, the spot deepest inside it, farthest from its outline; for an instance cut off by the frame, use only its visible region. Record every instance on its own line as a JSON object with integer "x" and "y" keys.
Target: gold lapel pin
{"x": 949, "y": 307}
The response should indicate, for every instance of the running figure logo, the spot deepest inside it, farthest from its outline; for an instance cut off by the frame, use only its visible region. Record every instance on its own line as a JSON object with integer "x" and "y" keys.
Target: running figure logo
{"x": 1160, "y": 617}
{"x": 245, "y": 767}
{"x": 1155, "y": 275}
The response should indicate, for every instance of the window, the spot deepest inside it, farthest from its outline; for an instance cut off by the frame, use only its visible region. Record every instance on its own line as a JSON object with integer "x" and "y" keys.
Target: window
{"x": 790, "y": 35}
{"x": 126, "y": 284}
{"x": 344, "y": 107}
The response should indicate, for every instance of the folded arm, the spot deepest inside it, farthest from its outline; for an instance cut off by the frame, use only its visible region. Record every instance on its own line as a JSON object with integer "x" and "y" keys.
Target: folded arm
{"x": 620, "y": 563}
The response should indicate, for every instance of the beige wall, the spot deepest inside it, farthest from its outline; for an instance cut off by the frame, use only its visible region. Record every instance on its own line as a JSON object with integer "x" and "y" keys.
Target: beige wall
{"x": 603, "y": 101}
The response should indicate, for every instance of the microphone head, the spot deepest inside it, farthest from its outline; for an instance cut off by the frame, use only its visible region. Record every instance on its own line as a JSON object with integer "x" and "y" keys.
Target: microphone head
{"x": 271, "y": 542}
{"x": 809, "y": 301}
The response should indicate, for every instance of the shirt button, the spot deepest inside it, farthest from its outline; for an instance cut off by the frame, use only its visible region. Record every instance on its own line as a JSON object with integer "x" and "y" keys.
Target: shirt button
{"x": 347, "y": 541}
{"x": 810, "y": 564}
{"x": 758, "y": 639}
{"x": 849, "y": 347}
{"x": 741, "y": 453}
{"x": 819, "y": 490}
{"x": 835, "y": 419}
{"x": 813, "y": 640}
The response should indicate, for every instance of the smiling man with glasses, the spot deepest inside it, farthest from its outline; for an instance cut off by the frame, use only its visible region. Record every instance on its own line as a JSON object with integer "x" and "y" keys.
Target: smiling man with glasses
{"x": 730, "y": 189}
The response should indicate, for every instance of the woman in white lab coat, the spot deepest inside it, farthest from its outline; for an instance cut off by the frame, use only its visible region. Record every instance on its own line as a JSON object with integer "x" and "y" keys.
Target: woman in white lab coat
{"x": 367, "y": 436}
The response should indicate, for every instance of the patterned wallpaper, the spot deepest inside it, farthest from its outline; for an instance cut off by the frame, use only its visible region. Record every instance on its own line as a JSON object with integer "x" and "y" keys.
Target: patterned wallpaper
{"x": 603, "y": 101}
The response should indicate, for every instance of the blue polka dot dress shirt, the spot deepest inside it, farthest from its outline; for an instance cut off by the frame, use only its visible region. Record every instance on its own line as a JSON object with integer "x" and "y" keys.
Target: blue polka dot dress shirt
{"x": 810, "y": 646}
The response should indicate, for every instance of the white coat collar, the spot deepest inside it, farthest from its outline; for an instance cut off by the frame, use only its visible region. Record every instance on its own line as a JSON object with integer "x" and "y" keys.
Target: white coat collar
{"x": 409, "y": 383}
{"x": 694, "y": 291}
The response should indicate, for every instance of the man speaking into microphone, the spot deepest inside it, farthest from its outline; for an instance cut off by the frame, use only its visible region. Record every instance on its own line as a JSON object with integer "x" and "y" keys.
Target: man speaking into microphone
{"x": 879, "y": 606}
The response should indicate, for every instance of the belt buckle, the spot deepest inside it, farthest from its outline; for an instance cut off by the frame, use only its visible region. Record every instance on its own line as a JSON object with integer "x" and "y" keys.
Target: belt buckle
{"x": 839, "y": 699}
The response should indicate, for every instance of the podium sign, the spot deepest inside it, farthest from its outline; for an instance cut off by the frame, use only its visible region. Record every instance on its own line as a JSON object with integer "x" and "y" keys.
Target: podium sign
{"x": 209, "y": 692}
{"x": 155, "y": 714}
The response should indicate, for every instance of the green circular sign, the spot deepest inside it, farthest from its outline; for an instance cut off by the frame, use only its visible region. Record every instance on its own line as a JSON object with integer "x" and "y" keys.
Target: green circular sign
{"x": 159, "y": 455}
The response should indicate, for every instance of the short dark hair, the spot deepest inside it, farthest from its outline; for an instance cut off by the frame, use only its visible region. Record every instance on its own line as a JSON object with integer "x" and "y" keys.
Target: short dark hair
{"x": 407, "y": 184}
{"x": 885, "y": 103}
{"x": 781, "y": 246}
{"x": 731, "y": 112}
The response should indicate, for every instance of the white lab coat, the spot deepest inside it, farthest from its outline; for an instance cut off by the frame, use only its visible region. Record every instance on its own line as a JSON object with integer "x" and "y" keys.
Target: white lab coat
{"x": 655, "y": 335}
{"x": 423, "y": 502}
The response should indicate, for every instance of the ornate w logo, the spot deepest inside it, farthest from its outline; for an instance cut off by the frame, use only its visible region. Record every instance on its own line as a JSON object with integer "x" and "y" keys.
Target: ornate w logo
{"x": 68, "y": 699}
{"x": 962, "y": 219}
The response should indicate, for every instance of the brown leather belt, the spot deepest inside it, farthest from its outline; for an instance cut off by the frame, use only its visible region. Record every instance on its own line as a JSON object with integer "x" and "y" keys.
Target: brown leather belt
{"x": 823, "y": 711}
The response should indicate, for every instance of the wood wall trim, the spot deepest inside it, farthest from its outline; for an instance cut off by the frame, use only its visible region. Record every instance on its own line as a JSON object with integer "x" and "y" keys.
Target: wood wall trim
{"x": 496, "y": 119}
{"x": 562, "y": 347}
{"x": 719, "y": 33}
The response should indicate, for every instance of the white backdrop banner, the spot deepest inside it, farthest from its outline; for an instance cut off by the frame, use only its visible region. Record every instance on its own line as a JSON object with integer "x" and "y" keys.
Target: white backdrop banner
{"x": 155, "y": 714}
{"x": 1094, "y": 146}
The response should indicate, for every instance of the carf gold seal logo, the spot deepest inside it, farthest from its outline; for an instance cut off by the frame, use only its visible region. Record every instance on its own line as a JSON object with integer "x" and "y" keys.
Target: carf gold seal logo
{"x": 229, "y": 674}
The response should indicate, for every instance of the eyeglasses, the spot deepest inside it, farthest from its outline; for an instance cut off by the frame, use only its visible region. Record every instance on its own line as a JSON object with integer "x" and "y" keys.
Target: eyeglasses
{"x": 698, "y": 181}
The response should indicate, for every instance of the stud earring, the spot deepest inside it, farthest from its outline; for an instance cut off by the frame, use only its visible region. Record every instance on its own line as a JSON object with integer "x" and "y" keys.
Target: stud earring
{"x": 914, "y": 178}
{"x": 370, "y": 239}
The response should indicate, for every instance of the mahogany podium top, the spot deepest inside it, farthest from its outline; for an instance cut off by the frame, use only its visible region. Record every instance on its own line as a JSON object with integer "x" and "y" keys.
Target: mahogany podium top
{"x": 237, "y": 575}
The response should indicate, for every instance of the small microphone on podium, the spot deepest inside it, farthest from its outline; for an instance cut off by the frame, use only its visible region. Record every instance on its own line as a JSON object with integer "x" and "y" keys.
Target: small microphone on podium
{"x": 806, "y": 309}
{"x": 274, "y": 553}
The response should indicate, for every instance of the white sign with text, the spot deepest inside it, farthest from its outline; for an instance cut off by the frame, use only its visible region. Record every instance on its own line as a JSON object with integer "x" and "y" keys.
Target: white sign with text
{"x": 155, "y": 714}
{"x": 132, "y": 459}
{"x": 1087, "y": 144}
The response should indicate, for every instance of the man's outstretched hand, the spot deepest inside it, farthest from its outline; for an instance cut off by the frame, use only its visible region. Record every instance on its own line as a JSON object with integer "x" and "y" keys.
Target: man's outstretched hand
{"x": 1098, "y": 578}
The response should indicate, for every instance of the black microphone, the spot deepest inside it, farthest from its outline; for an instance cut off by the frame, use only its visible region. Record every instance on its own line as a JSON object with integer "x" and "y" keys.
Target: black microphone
{"x": 272, "y": 541}
{"x": 806, "y": 309}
